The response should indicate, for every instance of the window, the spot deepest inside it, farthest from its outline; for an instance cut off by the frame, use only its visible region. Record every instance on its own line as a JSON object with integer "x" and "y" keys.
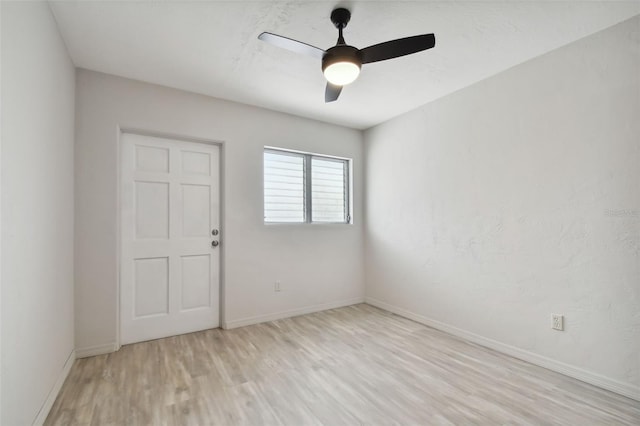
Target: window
{"x": 305, "y": 188}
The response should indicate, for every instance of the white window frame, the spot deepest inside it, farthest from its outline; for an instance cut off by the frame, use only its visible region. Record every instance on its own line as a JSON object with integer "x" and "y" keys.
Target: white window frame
{"x": 307, "y": 173}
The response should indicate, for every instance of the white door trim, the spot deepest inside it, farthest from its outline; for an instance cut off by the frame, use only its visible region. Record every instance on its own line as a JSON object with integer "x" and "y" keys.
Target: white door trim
{"x": 180, "y": 137}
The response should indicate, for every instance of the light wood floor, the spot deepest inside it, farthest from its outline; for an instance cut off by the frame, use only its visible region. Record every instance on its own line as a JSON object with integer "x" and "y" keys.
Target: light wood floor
{"x": 354, "y": 365}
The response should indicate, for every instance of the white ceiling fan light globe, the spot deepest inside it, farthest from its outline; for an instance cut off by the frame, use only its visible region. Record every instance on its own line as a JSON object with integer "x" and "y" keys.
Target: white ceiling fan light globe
{"x": 342, "y": 73}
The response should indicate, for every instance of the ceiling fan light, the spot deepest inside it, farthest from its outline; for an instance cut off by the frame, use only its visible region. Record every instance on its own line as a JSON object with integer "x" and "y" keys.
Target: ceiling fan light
{"x": 342, "y": 73}
{"x": 341, "y": 64}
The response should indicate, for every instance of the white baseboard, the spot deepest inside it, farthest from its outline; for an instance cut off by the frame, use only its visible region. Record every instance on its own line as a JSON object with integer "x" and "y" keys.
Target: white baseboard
{"x": 53, "y": 393}
{"x": 242, "y": 322}
{"x": 626, "y": 389}
{"x": 227, "y": 325}
{"x": 96, "y": 350}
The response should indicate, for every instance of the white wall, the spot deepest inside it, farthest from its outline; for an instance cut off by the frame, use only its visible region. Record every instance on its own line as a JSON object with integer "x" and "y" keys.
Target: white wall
{"x": 318, "y": 265}
{"x": 0, "y": 215}
{"x": 517, "y": 197}
{"x": 37, "y": 210}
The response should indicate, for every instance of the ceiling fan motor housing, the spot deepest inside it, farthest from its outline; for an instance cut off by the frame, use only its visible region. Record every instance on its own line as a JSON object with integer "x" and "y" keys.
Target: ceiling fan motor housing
{"x": 341, "y": 53}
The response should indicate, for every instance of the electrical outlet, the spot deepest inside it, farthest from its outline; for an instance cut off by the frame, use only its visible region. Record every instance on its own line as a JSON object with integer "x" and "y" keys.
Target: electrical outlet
{"x": 557, "y": 322}
{"x": 276, "y": 286}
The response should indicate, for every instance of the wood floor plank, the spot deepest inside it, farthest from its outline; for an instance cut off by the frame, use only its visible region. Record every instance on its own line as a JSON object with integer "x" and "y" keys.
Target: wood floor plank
{"x": 354, "y": 365}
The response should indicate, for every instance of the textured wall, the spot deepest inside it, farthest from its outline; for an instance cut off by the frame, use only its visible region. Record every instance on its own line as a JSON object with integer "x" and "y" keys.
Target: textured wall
{"x": 517, "y": 197}
{"x": 37, "y": 209}
{"x": 318, "y": 265}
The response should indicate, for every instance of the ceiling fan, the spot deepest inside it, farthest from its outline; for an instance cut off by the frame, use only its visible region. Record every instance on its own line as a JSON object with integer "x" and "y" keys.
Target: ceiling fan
{"x": 341, "y": 63}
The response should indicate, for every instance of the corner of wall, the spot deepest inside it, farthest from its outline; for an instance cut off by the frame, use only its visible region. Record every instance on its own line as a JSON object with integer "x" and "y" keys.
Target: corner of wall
{"x": 55, "y": 390}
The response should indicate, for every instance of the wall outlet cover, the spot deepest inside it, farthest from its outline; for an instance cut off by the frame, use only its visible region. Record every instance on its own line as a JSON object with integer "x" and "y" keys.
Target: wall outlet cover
{"x": 557, "y": 322}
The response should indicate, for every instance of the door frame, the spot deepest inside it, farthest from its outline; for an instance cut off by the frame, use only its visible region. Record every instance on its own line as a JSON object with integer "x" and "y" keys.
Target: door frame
{"x": 121, "y": 130}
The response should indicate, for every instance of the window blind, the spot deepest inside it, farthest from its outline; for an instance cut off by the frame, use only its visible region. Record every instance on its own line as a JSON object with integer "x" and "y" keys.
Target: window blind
{"x": 284, "y": 187}
{"x": 305, "y": 188}
{"x": 328, "y": 190}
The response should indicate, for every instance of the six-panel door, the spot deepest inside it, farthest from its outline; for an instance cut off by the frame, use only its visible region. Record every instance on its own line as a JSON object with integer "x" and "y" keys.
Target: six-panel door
{"x": 169, "y": 269}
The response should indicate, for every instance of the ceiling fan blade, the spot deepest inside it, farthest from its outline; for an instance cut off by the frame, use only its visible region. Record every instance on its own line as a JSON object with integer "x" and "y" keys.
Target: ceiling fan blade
{"x": 293, "y": 45}
{"x": 396, "y": 48}
{"x": 332, "y": 92}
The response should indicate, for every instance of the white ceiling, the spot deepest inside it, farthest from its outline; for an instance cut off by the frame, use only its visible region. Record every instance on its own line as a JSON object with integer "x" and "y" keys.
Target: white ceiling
{"x": 211, "y": 47}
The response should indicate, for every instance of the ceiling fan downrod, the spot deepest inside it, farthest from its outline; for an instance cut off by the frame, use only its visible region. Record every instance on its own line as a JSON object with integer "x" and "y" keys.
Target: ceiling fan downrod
{"x": 340, "y": 18}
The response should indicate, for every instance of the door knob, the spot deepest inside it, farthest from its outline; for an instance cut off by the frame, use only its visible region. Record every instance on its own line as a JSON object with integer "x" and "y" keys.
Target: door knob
{"x": 214, "y": 243}
{"x": 214, "y": 232}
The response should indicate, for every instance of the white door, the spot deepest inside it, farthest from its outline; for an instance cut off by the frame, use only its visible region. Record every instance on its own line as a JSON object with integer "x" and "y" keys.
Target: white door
{"x": 169, "y": 266}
